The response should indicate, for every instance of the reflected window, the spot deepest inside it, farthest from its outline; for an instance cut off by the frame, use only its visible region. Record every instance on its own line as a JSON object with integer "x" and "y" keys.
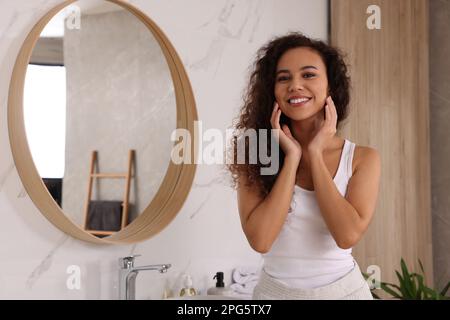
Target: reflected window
{"x": 45, "y": 118}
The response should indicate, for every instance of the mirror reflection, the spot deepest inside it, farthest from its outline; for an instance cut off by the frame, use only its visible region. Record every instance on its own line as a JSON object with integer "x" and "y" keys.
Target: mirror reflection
{"x": 99, "y": 108}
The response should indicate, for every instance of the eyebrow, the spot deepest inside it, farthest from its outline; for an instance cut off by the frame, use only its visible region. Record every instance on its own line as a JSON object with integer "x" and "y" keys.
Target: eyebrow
{"x": 301, "y": 69}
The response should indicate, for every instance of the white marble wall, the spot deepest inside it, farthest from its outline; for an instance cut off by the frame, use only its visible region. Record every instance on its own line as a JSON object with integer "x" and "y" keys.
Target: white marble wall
{"x": 216, "y": 41}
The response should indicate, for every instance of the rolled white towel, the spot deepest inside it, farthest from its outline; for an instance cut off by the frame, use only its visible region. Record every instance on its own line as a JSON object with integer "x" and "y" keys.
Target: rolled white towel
{"x": 247, "y": 269}
{"x": 244, "y": 275}
{"x": 246, "y": 288}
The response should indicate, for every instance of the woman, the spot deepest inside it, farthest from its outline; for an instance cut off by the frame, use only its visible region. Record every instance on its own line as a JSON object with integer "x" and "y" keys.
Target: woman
{"x": 306, "y": 218}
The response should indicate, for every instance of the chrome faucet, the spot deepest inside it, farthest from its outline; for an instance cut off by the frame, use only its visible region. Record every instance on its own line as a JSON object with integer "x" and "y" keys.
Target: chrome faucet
{"x": 128, "y": 273}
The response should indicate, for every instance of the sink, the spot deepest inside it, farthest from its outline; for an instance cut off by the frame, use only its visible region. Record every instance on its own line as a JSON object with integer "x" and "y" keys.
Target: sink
{"x": 206, "y": 297}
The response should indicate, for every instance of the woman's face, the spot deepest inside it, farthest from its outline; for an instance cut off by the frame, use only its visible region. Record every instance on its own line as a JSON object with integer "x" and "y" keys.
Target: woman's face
{"x": 301, "y": 84}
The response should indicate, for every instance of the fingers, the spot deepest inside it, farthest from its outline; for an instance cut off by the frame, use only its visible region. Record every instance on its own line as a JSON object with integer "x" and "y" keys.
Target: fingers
{"x": 278, "y": 118}
{"x": 287, "y": 131}
{"x": 331, "y": 112}
{"x": 275, "y": 118}
{"x": 275, "y": 108}
{"x": 272, "y": 117}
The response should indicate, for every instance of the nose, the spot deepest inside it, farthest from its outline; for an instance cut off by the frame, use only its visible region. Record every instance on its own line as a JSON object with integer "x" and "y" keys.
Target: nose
{"x": 296, "y": 84}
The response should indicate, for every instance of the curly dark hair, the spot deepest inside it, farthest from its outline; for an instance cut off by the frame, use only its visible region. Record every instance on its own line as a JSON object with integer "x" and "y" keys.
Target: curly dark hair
{"x": 259, "y": 97}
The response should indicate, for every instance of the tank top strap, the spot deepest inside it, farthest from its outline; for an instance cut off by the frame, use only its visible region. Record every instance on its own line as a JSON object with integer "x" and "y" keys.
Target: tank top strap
{"x": 342, "y": 166}
{"x": 349, "y": 158}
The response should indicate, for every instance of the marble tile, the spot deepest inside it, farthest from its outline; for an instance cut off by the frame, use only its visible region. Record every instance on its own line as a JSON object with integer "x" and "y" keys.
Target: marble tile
{"x": 45, "y": 264}
{"x": 5, "y": 175}
{"x": 196, "y": 211}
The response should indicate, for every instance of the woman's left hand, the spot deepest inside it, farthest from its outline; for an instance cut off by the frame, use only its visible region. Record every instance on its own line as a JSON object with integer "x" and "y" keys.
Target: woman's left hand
{"x": 325, "y": 129}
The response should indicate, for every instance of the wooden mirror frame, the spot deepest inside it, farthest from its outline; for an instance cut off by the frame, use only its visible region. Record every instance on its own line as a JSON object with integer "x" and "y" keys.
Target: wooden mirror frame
{"x": 177, "y": 181}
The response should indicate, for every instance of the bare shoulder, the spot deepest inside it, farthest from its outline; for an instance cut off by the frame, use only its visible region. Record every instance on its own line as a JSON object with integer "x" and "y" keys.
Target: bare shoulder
{"x": 365, "y": 156}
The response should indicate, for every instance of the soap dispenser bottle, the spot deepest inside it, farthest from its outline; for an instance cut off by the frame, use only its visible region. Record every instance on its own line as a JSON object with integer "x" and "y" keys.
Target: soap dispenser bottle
{"x": 187, "y": 289}
{"x": 220, "y": 288}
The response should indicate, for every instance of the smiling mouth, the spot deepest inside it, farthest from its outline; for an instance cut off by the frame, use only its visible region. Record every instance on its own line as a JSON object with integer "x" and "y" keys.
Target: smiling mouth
{"x": 298, "y": 102}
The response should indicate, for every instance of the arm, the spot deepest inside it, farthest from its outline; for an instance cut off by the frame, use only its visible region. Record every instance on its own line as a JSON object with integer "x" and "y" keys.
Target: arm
{"x": 348, "y": 218}
{"x": 263, "y": 218}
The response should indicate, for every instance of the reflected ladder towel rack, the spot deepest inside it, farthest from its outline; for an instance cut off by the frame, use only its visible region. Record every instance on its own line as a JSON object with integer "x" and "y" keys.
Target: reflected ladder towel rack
{"x": 96, "y": 175}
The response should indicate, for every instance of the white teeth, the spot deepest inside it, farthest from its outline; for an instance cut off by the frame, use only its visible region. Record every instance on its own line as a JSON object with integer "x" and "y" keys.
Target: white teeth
{"x": 294, "y": 101}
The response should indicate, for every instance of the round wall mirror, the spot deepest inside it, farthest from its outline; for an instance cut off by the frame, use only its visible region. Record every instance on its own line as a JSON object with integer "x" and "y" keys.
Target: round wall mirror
{"x": 96, "y": 92}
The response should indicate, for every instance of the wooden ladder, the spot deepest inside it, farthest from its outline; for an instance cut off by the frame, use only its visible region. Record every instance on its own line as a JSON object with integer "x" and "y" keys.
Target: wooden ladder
{"x": 95, "y": 175}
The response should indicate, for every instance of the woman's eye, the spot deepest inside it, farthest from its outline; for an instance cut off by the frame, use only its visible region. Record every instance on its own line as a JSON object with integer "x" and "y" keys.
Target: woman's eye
{"x": 309, "y": 75}
{"x": 283, "y": 78}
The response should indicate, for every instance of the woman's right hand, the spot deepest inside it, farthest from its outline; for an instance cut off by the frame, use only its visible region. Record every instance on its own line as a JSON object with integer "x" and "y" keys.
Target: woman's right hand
{"x": 290, "y": 146}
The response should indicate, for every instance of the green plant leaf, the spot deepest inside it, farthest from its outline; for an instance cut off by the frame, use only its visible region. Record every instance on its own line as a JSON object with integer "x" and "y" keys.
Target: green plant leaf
{"x": 376, "y": 296}
{"x": 386, "y": 288}
{"x": 407, "y": 279}
{"x": 413, "y": 287}
{"x": 433, "y": 295}
{"x": 400, "y": 278}
{"x": 426, "y": 295}
{"x": 421, "y": 267}
{"x": 404, "y": 286}
{"x": 393, "y": 285}
{"x": 444, "y": 291}
{"x": 420, "y": 286}
{"x": 404, "y": 268}
{"x": 423, "y": 271}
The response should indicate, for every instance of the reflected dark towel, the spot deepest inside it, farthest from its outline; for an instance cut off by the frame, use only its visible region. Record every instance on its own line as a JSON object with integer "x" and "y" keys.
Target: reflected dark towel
{"x": 104, "y": 215}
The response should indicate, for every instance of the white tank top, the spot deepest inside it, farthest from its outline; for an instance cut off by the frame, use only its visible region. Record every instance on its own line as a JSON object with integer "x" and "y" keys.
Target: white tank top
{"x": 305, "y": 254}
